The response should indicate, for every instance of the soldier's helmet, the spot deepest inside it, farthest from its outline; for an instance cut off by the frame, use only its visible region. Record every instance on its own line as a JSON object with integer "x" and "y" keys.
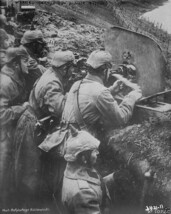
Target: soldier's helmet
{"x": 3, "y": 20}
{"x": 31, "y": 36}
{"x": 98, "y": 58}
{"x": 62, "y": 57}
{"x": 79, "y": 142}
{"x": 13, "y": 53}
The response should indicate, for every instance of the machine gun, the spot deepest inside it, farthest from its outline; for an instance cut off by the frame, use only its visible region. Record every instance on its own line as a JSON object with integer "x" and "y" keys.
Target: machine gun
{"x": 132, "y": 48}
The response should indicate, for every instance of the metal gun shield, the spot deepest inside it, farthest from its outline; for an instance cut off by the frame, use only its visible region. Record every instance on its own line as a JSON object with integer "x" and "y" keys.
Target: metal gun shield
{"x": 145, "y": 54}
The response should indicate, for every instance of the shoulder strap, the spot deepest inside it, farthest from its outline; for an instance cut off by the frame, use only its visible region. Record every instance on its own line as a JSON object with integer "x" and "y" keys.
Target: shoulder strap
{"x": 77, "y": 113}
{"x": 83, "y": 184}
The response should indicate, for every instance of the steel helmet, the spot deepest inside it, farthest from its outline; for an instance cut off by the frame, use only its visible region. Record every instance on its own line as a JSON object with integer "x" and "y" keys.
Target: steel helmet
{"x": 98, "y": 58}
{"x": 62, "y": 57}
{"x": 13, "y": 53}
{"x": 79, "y": 142}
{"x": 3, "y": 20}
{"x": 30, "y": 36}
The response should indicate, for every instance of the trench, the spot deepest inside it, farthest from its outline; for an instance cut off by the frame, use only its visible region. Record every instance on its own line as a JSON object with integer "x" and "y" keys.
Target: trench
{"x": 131, "y": 192}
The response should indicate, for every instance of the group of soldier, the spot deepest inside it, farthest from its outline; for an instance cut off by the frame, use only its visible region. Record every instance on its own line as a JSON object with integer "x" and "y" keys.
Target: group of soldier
{"x": 58, "y": 165}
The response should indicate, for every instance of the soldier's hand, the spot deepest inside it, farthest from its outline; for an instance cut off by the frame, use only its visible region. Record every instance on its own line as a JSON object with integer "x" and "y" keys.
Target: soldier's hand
{"x": 26, "y": 104}
{"x": 137, "y": 94}
{"x": 116, "y": 87}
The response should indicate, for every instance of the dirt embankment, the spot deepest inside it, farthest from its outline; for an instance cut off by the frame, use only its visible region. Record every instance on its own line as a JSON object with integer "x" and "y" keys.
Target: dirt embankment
{"x": 123, "y": 14}
{"x": 64, "y": 30}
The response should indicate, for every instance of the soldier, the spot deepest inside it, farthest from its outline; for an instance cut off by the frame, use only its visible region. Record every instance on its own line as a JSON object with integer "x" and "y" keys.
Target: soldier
{"x": 33, "y": 42}
{"x": 83, "y": 191}
{"x": 90, "y": 103}
{"x": 4, "y": 44}
{"x": 47, "y": 98}
{"x": 12, "y": 105}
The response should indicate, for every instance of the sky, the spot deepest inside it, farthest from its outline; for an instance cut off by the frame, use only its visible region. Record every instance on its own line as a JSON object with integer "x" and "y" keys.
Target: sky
{"x": 161, "y": 15}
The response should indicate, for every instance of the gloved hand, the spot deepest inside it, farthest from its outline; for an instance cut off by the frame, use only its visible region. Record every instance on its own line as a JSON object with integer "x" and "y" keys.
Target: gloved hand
{"x": 131, "y": 67}
{"x": 116, "y": 87}
{"x": 137, "y": 94}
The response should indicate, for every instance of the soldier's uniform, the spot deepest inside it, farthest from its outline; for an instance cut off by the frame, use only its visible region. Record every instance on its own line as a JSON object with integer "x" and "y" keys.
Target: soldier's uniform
{"x": 96, "y": 104}
{"x": 35, "y": 68}
{"x": 46, "y": 99}
{"x": 82, "y": 190}
{"x": 12, "y": 96}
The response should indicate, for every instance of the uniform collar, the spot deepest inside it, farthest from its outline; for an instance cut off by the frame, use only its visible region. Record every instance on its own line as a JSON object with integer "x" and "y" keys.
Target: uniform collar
{"x": 76, "y": 172}
{"x": 94, "y": 78}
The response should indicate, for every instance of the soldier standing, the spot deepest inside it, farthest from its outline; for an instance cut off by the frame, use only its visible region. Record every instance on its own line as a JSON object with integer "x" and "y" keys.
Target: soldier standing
{"x": 46, "y": 99}
{"x": 35, "y": 45}
{"x": 12, "y": 105}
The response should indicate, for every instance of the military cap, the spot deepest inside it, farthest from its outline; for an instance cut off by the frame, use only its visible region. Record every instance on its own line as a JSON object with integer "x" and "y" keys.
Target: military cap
{"x": 79, "y": 142}
{"x": 30, "y": 36}
{"x": 98, "y": 58}
{"x": 62, "y": 57}
{"x": 13, "y": 53}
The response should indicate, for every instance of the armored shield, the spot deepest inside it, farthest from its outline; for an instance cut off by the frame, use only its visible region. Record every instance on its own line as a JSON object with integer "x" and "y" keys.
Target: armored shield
{"x": 143, "y": 52}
